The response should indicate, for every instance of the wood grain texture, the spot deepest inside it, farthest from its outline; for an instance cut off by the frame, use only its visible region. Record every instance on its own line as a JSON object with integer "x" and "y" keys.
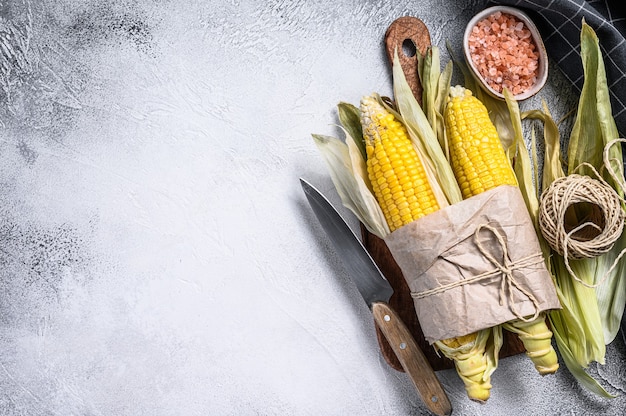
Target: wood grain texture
{"x": 413, "y": 361}
{"x": 414, "y": 30}
{"x": 403, "y": 32}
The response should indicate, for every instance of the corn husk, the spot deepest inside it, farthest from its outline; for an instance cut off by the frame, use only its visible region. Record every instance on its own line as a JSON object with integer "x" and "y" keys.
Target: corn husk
{"x": 590, "y": 316}
{"x": 435, "y": 85}
{"x": 593, "y": 130}
{"x": 574, "y": 323}
{"x": 602, "y": 307}
{"x": 349, "y": 117}
{"x": 422, "y": 133}
{"x": 348, "y": 173}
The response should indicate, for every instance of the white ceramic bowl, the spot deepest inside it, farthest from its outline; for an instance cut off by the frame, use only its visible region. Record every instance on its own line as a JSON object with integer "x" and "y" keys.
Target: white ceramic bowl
{"x": 542, "y": 70}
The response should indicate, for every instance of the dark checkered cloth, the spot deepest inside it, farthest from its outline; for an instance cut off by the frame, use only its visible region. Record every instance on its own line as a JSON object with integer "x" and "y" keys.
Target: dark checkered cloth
{"x": 559, "y": 22}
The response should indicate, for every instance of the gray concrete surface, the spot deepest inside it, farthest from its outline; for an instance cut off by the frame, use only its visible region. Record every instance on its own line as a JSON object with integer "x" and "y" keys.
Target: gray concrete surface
{"x": 157, "y": 256}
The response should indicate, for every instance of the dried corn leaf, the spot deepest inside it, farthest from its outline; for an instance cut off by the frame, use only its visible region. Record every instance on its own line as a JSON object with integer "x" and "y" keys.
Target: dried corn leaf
{"x": 594, "y": 128}
{"x": 425, "y": 139}
{"x": 350, "y": 118}
{"x": 347, "y": 177}
{"x": 579, "y": 327}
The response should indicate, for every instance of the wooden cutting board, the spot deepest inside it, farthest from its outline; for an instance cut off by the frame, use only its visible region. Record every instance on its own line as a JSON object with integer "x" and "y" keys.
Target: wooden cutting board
{"x": 409, "y": 34}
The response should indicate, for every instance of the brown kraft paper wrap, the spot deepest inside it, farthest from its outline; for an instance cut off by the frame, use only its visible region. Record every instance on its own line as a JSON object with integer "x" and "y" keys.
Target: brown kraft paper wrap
{"x": 474, "y": 265}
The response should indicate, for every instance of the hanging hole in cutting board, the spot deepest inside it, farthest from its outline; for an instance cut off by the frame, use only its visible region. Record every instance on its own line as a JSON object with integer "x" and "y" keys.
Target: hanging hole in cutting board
{"x": 408, "y": 48}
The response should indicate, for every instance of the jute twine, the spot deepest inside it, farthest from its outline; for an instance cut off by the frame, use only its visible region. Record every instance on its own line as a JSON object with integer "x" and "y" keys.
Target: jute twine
{"x": 597, "y": 233}
{"x": 504, "y": 269}
{"x": 592, "y": 237}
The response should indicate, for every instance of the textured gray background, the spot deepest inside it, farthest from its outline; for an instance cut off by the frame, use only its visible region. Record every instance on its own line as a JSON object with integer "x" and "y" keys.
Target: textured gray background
{"x": 157, "y": 256}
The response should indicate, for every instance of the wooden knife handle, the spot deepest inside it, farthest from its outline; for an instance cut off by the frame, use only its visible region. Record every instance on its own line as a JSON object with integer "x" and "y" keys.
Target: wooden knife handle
{"x": 412, "y": 359}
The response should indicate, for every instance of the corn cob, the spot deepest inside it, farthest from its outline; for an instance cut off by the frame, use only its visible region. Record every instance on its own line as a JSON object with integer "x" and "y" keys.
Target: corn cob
{"x": 479, "y": 164}
{"x": 404, "y": 193}
{"x": 395, "y": 171}
{"x": 477, "y": 157}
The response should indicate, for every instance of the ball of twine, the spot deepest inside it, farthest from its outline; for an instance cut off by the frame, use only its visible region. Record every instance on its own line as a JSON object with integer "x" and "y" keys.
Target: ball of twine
{"x": 594, "y": 235}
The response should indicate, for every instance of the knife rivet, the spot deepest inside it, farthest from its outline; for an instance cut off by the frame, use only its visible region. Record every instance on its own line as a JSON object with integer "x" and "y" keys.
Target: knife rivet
{"x": 387, "y": 318}
{"x": 434, "y": 399}
{"x": 402, "y": 345}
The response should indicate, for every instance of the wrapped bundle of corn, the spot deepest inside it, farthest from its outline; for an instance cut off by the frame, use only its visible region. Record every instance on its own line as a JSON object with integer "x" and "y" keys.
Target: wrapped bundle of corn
{"x": 393, "y": 173}
{"x": 480, "y": 164}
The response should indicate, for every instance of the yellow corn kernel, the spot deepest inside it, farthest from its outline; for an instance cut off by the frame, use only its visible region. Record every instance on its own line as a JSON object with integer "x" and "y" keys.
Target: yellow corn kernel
{"x": 479, "y": 164}
{"x": 477, "y": 157}
{"x": 394, "y": 168}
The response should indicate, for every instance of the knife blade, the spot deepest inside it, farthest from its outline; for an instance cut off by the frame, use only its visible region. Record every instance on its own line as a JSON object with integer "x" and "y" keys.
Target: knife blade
{"x": 376, "y": 292}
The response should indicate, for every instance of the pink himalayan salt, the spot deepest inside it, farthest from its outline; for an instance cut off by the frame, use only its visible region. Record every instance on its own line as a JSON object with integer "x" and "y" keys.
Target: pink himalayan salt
{"x": 504, "y": 53}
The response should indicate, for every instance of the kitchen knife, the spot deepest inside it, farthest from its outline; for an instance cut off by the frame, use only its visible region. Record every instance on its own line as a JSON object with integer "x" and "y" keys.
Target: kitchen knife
{"x": 376, "y": 291}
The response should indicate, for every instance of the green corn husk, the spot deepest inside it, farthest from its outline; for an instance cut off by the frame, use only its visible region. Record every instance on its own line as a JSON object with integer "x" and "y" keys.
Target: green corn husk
{"x": 575, "y": 325}
{"x": 422, "y": 132}
{"x": 590, "y": 316}
{"x": 576, "y": 328}
{"x": 435, "y": 85}
{"x": 594, "y": 128}
{"x": 349, "y": 117}
{"x": 348, "y": 173}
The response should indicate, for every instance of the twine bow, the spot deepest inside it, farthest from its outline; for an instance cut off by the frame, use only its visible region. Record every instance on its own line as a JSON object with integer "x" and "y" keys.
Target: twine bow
{"x": 504, "y": 268}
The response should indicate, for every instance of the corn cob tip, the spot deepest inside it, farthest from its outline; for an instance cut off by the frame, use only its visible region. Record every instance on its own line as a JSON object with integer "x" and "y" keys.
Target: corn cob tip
{"x": 537, "y": 339}
{"x": 367, "y": 101}
{"x": 472, "y": 368}
{"x": 459, "y": 91}
{"x": 372, "y": 113}
{"x": 469, "y": 353}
